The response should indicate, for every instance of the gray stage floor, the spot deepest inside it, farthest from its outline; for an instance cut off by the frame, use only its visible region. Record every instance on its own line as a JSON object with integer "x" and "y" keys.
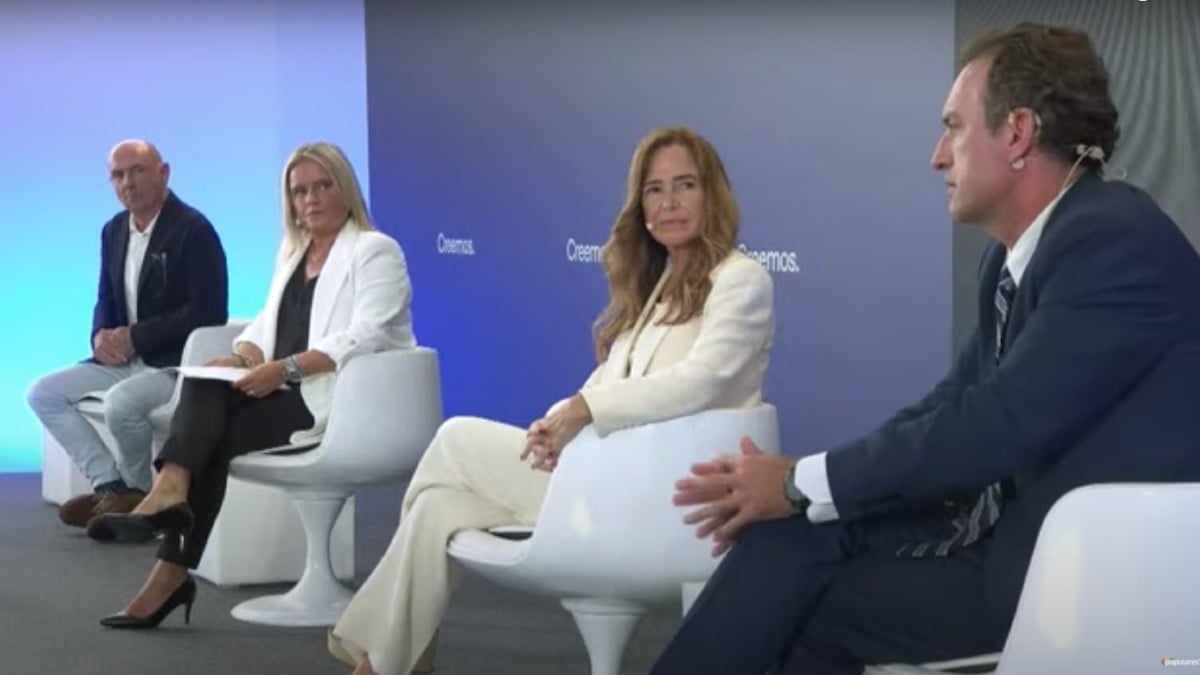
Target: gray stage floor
{"x": 55, "y": 584}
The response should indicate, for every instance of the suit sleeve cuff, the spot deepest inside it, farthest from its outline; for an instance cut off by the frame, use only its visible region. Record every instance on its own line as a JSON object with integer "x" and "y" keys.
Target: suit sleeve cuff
{"x": 812, "y": 480}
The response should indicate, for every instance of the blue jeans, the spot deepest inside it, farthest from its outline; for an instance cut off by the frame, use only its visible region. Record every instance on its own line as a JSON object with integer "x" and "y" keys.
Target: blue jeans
{"x": 131, "y": 392}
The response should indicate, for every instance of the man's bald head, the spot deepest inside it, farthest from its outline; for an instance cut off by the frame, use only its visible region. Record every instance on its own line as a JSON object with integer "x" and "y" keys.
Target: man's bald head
{"x": 139, "y": 177}
{"x": 140, "y": 149}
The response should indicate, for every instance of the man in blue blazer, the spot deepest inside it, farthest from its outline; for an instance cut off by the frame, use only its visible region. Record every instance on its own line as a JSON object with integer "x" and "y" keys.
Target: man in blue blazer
{"x": 911, "y": 543}
{"x": 162, "y": 274}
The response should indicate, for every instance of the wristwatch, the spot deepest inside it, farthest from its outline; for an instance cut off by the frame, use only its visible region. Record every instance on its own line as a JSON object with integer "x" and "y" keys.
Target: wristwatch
{"x": 799, "y": 501}
{"x": 291, "y": 370}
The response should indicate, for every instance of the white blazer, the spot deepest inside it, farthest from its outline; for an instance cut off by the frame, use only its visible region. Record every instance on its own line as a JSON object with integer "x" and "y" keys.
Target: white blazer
{"x": 715, "y": 360}
{"x": 360, "y": 305}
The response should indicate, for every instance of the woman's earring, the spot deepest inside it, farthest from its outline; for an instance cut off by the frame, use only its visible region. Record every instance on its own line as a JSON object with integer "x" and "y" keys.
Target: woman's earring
{"x": 1018, "y": 164}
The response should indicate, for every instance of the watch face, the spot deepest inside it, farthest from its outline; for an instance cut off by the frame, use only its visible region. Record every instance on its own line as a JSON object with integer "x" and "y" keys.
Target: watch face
{"x": 798, "y": 499}
{"x": 291, "y": 372}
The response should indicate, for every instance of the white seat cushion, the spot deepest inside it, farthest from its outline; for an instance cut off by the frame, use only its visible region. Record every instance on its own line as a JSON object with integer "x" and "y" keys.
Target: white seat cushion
{"x": 479, "y": 545}
{"x": 92, "y": 404}
{"x": 512, "y": 532}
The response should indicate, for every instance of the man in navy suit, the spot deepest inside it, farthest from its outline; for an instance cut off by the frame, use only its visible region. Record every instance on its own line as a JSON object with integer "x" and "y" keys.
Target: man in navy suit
{"x": 911, "y": 543}
{"x": 162, "y": 274}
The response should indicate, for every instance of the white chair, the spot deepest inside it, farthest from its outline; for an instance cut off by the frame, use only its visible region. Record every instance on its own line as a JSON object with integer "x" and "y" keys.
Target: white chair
{"x": 608, "y": 541}
{"x": 236, "y": 553}
{"x": 386, "y": 408}
{"x": 1111, "y": 585}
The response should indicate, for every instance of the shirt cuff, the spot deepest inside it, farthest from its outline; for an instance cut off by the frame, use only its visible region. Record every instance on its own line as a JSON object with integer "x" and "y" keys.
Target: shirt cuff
{"x": 813, "y": 481}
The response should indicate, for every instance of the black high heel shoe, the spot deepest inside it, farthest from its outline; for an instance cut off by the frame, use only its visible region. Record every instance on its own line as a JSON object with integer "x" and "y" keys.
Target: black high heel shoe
{"x": 175, "y": 519}
{"x": 184, "y": 595}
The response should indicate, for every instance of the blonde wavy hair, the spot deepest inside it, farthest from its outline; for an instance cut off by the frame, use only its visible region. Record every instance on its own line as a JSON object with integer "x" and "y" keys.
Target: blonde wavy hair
{"x": 633, "y": 261}
{"x": 334, "y": 161}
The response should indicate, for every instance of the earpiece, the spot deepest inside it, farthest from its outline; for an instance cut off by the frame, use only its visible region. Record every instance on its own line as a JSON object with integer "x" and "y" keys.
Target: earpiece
{"x": 1086, "y": 151}
{"x": 1037, "y": 121}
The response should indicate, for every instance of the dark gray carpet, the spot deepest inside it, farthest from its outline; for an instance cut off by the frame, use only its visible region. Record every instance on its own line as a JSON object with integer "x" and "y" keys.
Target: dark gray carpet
{"x": 55, "y": 584}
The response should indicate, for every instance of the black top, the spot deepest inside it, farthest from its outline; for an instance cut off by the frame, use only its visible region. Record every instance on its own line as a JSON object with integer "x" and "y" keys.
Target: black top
{"x": 291, "y": 327}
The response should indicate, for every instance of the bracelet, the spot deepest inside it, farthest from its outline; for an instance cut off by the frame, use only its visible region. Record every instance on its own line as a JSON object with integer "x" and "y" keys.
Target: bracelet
{"x": 243, "y": 358}
{"x": 292, "y": 374}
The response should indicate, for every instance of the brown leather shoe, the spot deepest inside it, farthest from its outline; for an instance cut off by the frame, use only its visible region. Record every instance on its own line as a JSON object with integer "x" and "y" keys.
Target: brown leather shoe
{"x": 118, "y": 503}
{"x": 77, "y": 511}
{"x": 111, "y": 503}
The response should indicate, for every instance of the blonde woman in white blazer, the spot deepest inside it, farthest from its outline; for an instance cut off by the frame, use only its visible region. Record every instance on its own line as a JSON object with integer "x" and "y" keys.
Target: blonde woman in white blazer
{"x": 340, "y": 289}
{"x": 688, "y": 328}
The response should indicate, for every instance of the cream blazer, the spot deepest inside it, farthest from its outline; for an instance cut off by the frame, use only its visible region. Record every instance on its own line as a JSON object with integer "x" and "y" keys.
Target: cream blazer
{"x": 360, "y": 305}
{"x": 715, "y": 360}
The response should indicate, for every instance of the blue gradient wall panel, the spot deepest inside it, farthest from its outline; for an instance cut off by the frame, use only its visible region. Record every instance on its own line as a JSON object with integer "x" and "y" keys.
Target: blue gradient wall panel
{"x": 226, "y": 89}
{"x": 500, "y": 139}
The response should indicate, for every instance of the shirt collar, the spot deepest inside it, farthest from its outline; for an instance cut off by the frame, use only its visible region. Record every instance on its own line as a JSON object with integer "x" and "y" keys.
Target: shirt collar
{"x": 1022, "y": 251}
{"x": 133, "y": 231}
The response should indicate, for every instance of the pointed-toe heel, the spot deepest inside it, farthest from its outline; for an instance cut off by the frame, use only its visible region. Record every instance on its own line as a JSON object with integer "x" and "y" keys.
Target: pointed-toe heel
{"x": 175, "y": 519}
{"x": 184, "y": 595}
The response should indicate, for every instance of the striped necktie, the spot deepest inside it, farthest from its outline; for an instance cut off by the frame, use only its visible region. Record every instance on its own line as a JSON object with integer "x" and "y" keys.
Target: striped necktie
{"x": 970, "y": 525}
{"x": 1006, "y": 288}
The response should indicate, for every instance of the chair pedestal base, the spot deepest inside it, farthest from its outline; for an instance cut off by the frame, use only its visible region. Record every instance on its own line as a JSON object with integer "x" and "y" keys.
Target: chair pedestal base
{"x": 317, "y": 599}
{"x": 235, "y": 555}
{"x": 295, "y": 609}
{"x": 606, "y": 626}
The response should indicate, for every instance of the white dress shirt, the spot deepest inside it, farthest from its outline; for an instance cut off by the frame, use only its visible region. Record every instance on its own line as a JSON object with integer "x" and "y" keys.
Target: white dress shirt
{"x": 135, "y": 252}
{"x": 811, "y": 477}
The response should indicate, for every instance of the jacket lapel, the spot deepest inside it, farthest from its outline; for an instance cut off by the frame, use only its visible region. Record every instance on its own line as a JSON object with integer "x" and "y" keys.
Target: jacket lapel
{"x": 1025, "y": 300}
{"x": 116, "y": 266}
{"x": 649, "y": 332}
{"x": 333, "y": 277}
{"x": 618, "y": 356}
{"x": 155, "y": 263}
{"x": 652, "y": 335}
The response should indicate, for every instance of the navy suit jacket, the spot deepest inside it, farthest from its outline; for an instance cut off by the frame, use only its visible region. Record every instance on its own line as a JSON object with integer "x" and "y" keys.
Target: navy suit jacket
{"x": 1097, "y": 384}
{"x": 183, "y": 283}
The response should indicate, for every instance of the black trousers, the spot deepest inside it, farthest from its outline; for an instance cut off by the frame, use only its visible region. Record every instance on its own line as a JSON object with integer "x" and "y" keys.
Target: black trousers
{"x": 799, "y": 598}
{"x": 213, "y": 424}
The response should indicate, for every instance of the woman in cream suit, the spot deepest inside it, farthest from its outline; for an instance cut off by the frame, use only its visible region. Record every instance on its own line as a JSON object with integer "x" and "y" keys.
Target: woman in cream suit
{"x": 688, "y": 328}
{"x": 340, "y": 289}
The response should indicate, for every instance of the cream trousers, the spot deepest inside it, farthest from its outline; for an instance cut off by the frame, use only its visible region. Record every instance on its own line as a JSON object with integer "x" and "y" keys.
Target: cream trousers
{"x": 470, "y": 477}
